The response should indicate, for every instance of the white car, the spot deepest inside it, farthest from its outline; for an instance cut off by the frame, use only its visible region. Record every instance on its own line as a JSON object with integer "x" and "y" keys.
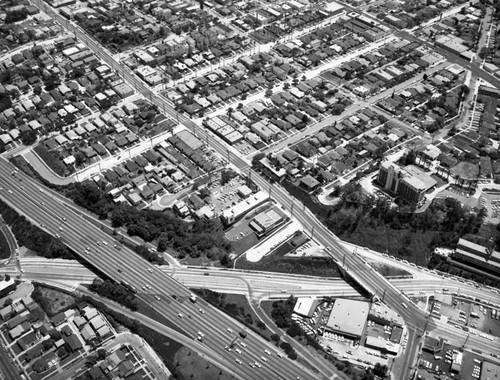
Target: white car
{"x": 280, "y": 355}
{"x": 180, "y": 315}
{"x": 230, "y": 330}
{"x": 258, "y": 364}
{"x": 239, "y": 361}
{"x": 243, "y": 344}
{"x": 267, "y": 352}
{"x": 150, "y": 270}
{"x": 238, "y": 351}
{"x": 263, "y": 359}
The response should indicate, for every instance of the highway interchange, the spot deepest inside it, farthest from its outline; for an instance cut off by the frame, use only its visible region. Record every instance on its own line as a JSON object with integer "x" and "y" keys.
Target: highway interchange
{"x": 34, "y": 201}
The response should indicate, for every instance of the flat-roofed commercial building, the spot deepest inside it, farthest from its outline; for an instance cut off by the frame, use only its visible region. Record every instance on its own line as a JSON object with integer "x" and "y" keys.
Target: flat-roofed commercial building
{"x": 348, "y": 318}
{"x": 265, "y": 221}
{"x": 305, "y": 306}
{"x": 477, "y": 255}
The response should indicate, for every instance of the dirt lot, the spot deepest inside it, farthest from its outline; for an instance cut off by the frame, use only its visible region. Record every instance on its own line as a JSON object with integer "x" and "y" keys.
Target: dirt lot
{"x": 192, "y": 366}
{"x": 57, "y": 301}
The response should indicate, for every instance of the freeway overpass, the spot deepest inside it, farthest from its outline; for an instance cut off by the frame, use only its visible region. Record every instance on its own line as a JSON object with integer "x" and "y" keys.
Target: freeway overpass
{"x": 33, "y": 200}
{"x": 352, "y": 264}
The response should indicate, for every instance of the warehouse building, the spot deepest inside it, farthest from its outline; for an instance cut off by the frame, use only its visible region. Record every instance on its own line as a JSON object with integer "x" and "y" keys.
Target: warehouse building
{"x": 348, "y": 318}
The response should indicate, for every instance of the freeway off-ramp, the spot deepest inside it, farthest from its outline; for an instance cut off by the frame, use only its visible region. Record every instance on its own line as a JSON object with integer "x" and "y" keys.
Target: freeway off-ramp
{"x": 257, "y": 285}
{"x": 108, "y": 260}
{"x": 32, "y": 200}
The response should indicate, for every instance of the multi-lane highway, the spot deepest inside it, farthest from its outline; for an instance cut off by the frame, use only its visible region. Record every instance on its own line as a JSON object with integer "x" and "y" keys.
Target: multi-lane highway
{"x": 96, "y": 247}
{"x": 78, "y": 235}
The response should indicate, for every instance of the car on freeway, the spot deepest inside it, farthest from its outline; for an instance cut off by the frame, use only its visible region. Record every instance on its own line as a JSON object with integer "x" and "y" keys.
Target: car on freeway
{"x": 103, "y": 242}
{"x": 150, "y": 270}
{"x": 58, "y": 236}
{"x": 263, "y": 359}
{"x": 239, "y": 361}
{"x": 229, "y": 330}
{"x": 267, "y": 352}
{"x": 280, "y": 355}
{"x": 119, "y": 270}
{"x": 180, "y": 315}
{"x": 227, "y": 348}
{"x": 64, "y": 219}
{"x": 251, "y": 365}
{"x": 201, "y": 311}
{"x": 10, "y": 192}
{"x": 157, "y": 298}
{"x": 242, "y": 344}
{"x": 238, "y": 350}
{"x": 60, "y": 228}
{"x": 258, "y": 364}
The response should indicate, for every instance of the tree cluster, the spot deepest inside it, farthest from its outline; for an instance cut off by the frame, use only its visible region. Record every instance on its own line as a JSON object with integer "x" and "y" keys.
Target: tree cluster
{"x": 115, "y": 292}
{"x": 16, "y": 15}
{"x": 32, "y": 237}
{"x": 188, "y": 238}
{"x": 282, "y": 312}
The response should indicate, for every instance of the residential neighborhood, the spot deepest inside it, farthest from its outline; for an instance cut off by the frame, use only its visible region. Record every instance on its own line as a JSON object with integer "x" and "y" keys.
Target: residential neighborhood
{"x": 188, "y": 185}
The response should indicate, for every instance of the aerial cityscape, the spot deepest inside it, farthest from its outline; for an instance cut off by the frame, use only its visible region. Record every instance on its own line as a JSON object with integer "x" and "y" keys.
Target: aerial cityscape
{"x": 220, "y": 189}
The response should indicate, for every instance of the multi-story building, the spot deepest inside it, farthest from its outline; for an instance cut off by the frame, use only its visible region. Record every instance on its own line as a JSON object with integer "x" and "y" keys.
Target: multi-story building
{"x": 410, "y": 182}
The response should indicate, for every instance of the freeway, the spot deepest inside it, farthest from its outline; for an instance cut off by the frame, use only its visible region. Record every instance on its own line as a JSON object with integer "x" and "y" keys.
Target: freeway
{"x": 352, "y": 263}
{"x": 32, "y": 200}
{"x": 255, "y": 284}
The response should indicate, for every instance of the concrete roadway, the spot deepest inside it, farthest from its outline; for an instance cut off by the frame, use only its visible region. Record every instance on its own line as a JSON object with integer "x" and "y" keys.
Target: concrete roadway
{"x": 32, "y": 200}
{"x": 371, "y": 280}
{"x": 9, "y": 236}
{"x": 256, "y": 285}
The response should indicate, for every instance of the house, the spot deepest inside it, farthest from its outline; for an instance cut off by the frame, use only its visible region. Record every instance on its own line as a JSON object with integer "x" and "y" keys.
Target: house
{"x": 58, "y": 319}
{"x": 27, "y": 341}
{"x": 309, "y": 183}
{"x": 73, "y": 342}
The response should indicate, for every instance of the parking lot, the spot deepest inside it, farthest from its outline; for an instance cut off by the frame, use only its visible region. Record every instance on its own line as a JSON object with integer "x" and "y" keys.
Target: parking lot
{"x": 225, "y": 196}
{"x": 459, "y": 310}
{"x": 431, "y": 364}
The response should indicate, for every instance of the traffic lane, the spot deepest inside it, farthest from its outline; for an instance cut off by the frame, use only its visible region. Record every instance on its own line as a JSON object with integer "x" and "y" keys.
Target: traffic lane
{"x": 7, "y": 367}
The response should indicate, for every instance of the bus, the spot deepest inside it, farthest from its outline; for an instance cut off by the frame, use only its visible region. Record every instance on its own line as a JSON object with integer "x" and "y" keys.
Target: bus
{"x": 129, "y": 287}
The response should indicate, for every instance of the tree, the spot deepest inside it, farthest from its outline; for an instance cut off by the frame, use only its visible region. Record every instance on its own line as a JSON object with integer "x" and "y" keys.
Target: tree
{"x": 47, "y": 344}
{"x": 380, "y": 370}
{"x": 7, "y": 302}
{"x": 55, "y": 334}
{"x": 101, "y": 354}
{"x": 91, "y": 360}
{"x": 275, "y": 338}
{"x": 28, "y": 137}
